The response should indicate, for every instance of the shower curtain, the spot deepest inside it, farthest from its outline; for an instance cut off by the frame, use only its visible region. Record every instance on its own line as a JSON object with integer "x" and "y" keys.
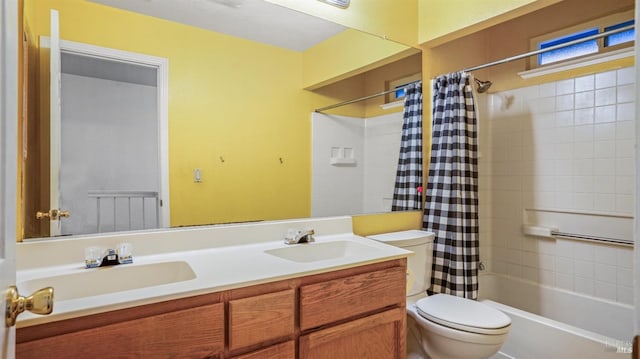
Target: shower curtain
{"x": 451, "y": 207}
{"x": 407, "y": 193}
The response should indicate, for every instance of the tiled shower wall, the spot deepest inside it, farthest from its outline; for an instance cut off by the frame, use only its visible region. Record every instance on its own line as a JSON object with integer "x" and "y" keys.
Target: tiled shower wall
{"x": 566, "y": 145}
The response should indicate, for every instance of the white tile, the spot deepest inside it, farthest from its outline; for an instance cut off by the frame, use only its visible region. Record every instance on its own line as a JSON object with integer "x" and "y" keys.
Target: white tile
{"x": 626, "y": 112}
{"x": 583, "y": 252}
{"x": 606, "y": 79}
{"x": 562, "y": 151}
{"x": 583, "y": 183}
{"x": 605, "y": 114}
{"x": 564, "y": 265}
{"x": 565, "y": 118}
{"x": 625, "y": 276}
{"x": 626, "y": 75}
{"x": 626, "y": 93}
{"x": 547, "y": 89}
{"x": 584, "y": 116}
{"x": 583, "y": 133}
{"x": 625, "y": 257}
{"x": 625, "y": 130}
{"x": 625, "y": 148}
{"x": 514, "y": 270}
{"x": 604, "y": 184}
{"x": 606, "y": 96}
{"x": 583, "y": 149}
{"x": 564, "y": 200}
{"x": 625, "y": 184}
{"x": 530, "y": 273}
{"x": 604, "y": 167}
{"x": 604, "y": 131}
{"x": 582, "y": 167}
{"x": 583, "y": 201}
{"x": 604, "y": 254}
{"x": 625, "y": 167}
{"x": 584, "y": 285}
{"x": 547, "y": 277}
{"x": 565, "y": 87}
{"x": 585, "y": 83}
{"x": 606, "y": 273}
{"x": 585, "y": 269}
{"x": 564, "y": 248}
{"x": 604, "y": 202}
{"x": 624, "y": 203}
{"x": 586, "y": 99}
{"x": 565, "y": 102}
{"x": 564, "y": 184}
{"x": 606, "y": 290}
{"x": 563, "y": 167}
{"x": 625, "y": 295}
{"x": 604, "y": 149}
{"x": 564, "y": 281}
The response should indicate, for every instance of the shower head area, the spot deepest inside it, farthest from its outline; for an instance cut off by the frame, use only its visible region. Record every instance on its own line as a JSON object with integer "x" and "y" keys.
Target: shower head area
{"x": 482, "y": 86}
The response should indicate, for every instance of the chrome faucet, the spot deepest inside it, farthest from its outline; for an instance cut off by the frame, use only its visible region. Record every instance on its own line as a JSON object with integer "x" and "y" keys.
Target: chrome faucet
{"x": 294, "y": 237}
{"x": 101, "y": 257}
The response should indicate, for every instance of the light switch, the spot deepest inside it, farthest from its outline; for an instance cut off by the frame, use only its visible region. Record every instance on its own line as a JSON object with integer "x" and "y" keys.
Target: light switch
{"x": 197, "y": 175}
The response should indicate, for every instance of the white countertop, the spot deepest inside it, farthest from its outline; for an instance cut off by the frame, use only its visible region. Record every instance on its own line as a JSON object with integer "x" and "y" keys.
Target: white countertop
{"x": 216, "y": 269}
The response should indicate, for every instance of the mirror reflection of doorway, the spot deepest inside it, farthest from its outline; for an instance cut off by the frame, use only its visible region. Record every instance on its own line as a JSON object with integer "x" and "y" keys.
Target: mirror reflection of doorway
{"x": 109, "y": 170}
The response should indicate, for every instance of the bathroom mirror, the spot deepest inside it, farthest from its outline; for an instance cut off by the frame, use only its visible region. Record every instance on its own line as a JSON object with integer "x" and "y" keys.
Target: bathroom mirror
{"x": 239, "y": 113}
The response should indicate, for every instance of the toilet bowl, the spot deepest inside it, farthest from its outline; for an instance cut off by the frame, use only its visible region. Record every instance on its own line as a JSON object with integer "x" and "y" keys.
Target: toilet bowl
{"x": 442, "y": 325}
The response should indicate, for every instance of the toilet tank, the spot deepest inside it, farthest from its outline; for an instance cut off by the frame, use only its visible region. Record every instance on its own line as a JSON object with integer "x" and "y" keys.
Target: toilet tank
{"x": 419, "y": 264}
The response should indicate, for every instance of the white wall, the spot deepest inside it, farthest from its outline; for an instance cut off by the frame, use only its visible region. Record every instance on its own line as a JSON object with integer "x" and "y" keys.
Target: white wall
{"x": 365, "y": 186}
{"x": 109, "y": 142}
{"x": 566, "y": 145}
{"x": 383, "y": 135}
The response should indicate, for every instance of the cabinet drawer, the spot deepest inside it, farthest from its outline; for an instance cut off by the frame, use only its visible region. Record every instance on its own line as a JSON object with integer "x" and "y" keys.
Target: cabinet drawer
{"x": 261, "y": 318}
{"x": 197, "y": 332}
{"x": 286, "y": 350}
{"x": 327, "y": 302}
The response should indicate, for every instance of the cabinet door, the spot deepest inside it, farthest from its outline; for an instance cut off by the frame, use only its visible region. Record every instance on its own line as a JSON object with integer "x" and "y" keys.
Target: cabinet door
{"x": 378, "y": 336}
{"x": 189, "y": 333}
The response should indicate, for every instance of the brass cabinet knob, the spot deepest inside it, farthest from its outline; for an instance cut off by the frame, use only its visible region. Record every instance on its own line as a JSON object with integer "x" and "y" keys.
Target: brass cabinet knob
{"x": 53, "y": 214}
{"x": 40, "y": 302}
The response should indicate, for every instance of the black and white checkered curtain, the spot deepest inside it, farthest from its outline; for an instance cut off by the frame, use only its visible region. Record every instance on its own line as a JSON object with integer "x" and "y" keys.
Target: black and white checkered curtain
{"x": 406, "y": 193}
{"x": 451, "y": 208}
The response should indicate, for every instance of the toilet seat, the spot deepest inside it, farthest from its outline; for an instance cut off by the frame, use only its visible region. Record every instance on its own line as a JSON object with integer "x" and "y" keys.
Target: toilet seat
{"x": 463, "y": 314}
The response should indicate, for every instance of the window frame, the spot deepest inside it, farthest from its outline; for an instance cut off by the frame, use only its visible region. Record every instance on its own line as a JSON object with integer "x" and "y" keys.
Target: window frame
{"x": 600, "y": 23}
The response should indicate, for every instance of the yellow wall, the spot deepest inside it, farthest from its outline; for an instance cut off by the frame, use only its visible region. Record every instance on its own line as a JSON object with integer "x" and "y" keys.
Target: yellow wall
{"x": 347, "y": 54}
{"x": 443, "y": 20}
{"x": 391, "y": 19}
{"x": 228, "y": 97}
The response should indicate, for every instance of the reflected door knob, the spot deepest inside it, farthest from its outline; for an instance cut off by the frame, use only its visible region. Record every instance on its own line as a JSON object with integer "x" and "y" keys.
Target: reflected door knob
{"x": 40, "y": 302}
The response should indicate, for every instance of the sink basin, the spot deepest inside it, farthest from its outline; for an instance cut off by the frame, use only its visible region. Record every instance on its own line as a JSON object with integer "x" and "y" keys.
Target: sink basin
{"x": 313, "y": 252}
{"x": 90, "y": 282}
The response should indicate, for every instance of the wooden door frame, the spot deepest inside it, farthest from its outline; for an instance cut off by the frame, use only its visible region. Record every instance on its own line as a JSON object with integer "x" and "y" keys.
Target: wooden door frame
{"x": 161, "y": 65}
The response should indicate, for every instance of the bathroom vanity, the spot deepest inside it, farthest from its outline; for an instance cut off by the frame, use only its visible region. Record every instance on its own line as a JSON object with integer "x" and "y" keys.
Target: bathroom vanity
{"x": 341, "y": 297}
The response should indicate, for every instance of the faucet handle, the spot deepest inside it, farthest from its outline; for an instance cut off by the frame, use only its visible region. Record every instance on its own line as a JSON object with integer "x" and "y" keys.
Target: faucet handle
{"x": 125, "y": 253}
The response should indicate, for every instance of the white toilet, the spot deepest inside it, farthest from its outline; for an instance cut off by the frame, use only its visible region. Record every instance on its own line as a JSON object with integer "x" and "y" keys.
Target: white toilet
{"x": 442, "y": 325}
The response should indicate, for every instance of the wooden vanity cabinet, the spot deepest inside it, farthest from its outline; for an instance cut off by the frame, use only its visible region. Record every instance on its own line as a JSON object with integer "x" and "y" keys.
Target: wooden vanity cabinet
{"x": 141, "y": 332}
{"x": 357, "y": 312}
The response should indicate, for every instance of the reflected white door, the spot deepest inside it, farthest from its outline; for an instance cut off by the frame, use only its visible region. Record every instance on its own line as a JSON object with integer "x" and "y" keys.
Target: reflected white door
{"x": 55, "y": 124}
{"x": 8, "y": 160}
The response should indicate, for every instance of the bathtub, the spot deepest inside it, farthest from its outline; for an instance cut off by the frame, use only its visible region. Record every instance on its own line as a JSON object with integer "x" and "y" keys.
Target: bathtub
{"x": 552, "y": 323}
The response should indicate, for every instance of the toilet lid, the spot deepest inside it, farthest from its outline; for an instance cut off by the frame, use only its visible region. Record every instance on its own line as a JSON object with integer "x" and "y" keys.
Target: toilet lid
{"x": 463, "y": 314}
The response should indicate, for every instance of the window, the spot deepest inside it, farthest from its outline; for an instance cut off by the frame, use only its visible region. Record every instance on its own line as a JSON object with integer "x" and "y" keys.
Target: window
{"x": 398, "y": 85}
{"x": 589, "y": 47}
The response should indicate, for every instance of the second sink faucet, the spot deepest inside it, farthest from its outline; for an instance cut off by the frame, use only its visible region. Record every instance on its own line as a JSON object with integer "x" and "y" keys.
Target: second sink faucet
{"x": 296, "y": 236}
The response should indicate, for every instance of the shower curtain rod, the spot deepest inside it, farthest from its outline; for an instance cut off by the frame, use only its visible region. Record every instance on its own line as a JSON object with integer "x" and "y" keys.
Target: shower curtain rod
{"x": 550, "y": 48}
{"x": 363, "y": 98}
{"x": 494, "y": 63}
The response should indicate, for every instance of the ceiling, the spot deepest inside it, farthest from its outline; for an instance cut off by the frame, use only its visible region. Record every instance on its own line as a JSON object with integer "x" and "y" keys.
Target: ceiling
{"x": 256, "y": 20}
